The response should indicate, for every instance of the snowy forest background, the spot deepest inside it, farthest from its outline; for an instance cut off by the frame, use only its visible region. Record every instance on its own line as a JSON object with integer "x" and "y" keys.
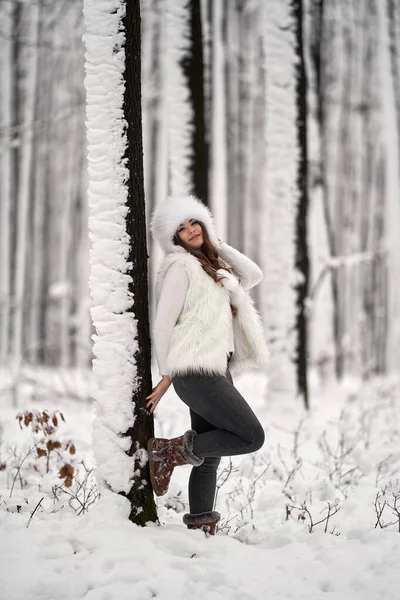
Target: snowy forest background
{"x": 283, "y": 116}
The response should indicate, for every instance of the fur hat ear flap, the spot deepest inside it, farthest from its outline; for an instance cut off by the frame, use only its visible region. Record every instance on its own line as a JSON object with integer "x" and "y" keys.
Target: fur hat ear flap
{"x": 168, "y": 215}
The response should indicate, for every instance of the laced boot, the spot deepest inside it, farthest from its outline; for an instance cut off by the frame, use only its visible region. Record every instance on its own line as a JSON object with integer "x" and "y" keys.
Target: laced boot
{"x": 166, "y": 454}
{"x": 206, "y": 521}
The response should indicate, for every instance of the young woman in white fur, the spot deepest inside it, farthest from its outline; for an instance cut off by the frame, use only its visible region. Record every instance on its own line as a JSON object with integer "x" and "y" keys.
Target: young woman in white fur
{"x": 206, "y": 328}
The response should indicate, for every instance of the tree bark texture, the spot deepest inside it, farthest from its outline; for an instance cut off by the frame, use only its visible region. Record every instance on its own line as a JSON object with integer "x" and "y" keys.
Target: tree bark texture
{"x": 140, "y": 495}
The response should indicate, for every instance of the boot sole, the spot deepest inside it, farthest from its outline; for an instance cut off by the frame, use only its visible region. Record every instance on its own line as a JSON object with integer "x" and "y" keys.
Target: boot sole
{"x": 151, "y": 468}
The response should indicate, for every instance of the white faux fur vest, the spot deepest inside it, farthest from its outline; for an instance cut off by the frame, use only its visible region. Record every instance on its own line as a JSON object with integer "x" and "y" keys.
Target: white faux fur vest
{"x": 199, "y": 341}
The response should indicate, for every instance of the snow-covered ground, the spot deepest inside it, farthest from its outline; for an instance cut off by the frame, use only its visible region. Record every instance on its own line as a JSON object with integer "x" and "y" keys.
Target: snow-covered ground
{"x": 342, "y": 455}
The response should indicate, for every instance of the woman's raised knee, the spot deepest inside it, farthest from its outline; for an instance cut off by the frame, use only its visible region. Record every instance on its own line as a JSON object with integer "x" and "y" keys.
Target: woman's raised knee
{"x": 258, "y": 438}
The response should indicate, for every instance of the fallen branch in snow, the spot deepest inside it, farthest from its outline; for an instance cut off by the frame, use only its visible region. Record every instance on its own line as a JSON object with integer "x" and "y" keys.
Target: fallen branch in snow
{"x": 35, "y": 509}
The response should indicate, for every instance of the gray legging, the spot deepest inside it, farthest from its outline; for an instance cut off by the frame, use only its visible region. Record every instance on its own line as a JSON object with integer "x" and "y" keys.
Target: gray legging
{"x": 225, "y": 425}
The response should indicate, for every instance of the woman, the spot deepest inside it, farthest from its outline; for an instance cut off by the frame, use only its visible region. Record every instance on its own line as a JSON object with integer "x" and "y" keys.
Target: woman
{"x": 205, "y": 328}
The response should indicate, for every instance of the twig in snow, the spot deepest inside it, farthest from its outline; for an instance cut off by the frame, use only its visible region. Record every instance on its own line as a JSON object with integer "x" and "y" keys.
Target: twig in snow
{"x": 35, "y": 509}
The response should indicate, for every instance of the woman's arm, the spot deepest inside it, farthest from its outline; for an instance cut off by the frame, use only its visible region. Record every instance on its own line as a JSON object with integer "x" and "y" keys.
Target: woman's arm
{"x": 250, "y": 274}
{"x": 169, "y": 307}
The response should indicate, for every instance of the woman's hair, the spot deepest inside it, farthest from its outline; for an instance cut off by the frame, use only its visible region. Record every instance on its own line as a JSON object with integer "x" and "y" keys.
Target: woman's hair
{"x": 207, "y": 256}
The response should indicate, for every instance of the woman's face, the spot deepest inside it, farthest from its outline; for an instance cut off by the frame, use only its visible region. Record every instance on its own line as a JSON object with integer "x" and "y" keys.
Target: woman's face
{"x": 191, "y": 233}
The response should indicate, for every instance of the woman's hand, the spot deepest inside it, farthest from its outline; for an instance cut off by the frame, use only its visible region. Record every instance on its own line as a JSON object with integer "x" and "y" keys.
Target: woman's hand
{"x": 230, "y": 283}
{"x": 157, "y": 393}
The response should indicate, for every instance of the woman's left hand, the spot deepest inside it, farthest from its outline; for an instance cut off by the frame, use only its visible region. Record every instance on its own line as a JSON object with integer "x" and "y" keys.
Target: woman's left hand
{"x": 229, "y": 281}
{"x": 157, "y": 393}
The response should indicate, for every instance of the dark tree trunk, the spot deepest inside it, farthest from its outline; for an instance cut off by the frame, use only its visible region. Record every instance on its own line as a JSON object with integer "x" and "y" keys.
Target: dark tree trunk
{"x": 141, "y": 497}
{"x": 193, "y": 68}
{"x": 302, "y": 258}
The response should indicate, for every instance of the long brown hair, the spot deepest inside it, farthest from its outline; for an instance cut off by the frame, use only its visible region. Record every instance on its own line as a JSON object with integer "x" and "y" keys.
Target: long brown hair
{"x": 207, "y": 256}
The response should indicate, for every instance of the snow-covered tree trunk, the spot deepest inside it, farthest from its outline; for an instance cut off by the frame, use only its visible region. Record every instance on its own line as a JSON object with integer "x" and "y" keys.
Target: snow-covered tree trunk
{"x": 277, "y": 223}
{"x": 118, "y": 280}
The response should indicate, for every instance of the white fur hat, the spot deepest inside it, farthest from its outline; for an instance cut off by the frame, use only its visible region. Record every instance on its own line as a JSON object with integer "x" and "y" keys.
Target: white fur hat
{"x": 168, "y": 215}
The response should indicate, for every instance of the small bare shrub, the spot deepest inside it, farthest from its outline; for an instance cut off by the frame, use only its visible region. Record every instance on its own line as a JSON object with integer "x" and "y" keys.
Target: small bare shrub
{"x": 47, "y": 446}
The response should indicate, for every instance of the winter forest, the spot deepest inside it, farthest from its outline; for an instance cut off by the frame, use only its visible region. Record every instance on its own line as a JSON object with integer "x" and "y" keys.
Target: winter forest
{"x": 282, "y": 116}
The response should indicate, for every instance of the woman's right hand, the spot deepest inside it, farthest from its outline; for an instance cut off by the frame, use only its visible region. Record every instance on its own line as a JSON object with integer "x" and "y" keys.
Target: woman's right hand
{"x": 157, "y": 393}
{"x": 229, "y": 281}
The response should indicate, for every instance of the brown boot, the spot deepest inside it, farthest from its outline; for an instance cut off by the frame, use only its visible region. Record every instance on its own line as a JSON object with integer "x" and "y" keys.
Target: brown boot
{"x": 165, "y": 455}
{"x": 207, "y": 521}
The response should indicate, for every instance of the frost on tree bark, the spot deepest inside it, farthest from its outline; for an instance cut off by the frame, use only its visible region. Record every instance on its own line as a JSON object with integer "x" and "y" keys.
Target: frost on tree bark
{"x": 139, "y": 495}
{"x": 302, "y": 259}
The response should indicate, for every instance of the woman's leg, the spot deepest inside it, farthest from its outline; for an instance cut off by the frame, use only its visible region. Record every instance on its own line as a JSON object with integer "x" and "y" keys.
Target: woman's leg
{"x": 203, "y": 479}
{"x": 214, "y": 398}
